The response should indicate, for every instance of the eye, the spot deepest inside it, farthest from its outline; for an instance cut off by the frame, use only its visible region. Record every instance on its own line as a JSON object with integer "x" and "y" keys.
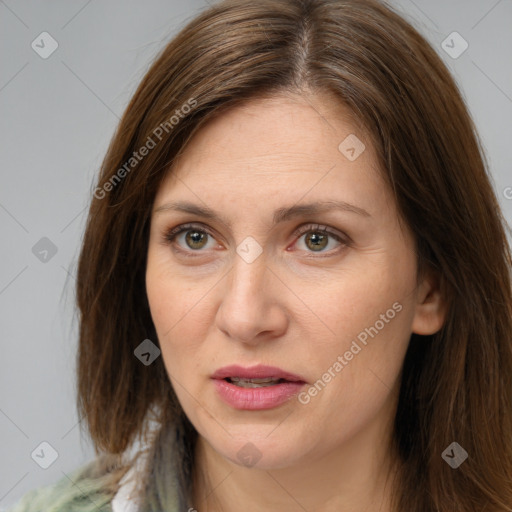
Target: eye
{"x": 194, "y": 237}
{"x": 317, "y": 237}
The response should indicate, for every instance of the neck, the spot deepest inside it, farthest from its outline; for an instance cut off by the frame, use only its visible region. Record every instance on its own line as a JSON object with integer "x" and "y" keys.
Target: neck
{"x": 356, "y": 476}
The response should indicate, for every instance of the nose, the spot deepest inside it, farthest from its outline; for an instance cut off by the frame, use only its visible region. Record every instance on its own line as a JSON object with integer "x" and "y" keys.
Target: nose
{"x": 252, "y": 307}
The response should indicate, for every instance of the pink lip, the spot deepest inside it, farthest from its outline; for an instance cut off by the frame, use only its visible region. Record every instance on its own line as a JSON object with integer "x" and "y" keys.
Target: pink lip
{"x": 256, "y": 398}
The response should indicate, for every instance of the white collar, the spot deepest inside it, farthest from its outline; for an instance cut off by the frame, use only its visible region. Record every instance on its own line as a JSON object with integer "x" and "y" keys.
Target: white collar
{"x": 124, "y": 500}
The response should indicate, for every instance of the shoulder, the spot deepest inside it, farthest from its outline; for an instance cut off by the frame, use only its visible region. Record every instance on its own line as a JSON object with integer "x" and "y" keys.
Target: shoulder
{"x": 83, "y": 490}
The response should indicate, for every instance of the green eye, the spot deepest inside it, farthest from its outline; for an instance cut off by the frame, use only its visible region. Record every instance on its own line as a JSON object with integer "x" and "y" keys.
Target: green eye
{"x": 317, "y": 237}
{"x": 195, "y": 237}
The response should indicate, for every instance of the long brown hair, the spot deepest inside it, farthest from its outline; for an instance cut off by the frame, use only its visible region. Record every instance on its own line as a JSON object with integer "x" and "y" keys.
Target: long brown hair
{"x": 457, "y": 383}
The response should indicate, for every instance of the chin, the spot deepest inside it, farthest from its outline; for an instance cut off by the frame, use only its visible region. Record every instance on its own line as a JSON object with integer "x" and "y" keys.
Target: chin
{"x": 257, "y": 451}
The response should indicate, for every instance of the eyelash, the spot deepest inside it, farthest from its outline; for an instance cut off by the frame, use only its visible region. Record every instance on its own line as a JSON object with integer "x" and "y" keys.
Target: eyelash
{"x": 170, "y": 236}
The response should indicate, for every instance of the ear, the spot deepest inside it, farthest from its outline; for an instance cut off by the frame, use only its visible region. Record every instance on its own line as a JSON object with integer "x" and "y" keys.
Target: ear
{"x": 430, "y": 311}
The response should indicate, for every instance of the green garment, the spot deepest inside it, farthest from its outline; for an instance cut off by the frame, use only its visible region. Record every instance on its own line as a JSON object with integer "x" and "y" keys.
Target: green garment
{"x": 84, "y": 491}
{"x": 80, "y": 491}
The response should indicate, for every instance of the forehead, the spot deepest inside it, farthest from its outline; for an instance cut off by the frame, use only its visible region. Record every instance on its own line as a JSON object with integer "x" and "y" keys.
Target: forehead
{"x": 284, "y": 147}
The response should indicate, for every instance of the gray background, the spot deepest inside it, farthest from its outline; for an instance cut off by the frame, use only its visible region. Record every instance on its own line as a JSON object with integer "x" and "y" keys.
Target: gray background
{"x": 57, "y": 116}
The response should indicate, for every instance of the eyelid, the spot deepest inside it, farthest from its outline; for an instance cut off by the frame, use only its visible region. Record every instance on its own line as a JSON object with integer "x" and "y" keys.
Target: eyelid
{"x": 185, "y": 227}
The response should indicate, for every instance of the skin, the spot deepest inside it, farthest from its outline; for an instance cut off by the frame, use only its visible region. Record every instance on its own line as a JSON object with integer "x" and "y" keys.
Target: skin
{"x": 292, "y": 307}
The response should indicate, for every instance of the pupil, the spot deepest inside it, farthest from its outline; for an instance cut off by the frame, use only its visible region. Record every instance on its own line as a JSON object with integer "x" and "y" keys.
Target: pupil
{"x": 317, "y": 240}
{"x": 195, "y": 237}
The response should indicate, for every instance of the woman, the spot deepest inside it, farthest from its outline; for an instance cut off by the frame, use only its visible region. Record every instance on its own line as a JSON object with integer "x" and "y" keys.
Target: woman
{"x": 294, "y": 284}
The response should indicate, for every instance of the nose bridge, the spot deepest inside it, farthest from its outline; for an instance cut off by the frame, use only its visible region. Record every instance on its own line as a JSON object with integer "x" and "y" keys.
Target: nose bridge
{"x": 248, "y": 274}
{"x": 247, "y": 307}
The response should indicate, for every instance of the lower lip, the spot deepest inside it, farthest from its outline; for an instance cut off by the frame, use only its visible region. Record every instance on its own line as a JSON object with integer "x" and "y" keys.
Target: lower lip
{"x": 256, "y": 398}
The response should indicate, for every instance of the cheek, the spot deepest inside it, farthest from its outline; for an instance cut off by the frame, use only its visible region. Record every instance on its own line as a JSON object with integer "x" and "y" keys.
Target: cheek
{"x": 171, "y": 296}
{"x": 369, "y": 315}
{"x": 171, "y": 303}
{"x": 353, "y": 300}
{"x": 356, "y": 372}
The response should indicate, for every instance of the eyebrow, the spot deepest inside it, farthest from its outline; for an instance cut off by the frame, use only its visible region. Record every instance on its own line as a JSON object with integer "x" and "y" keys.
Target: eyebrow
{"x": 280, "y": 215}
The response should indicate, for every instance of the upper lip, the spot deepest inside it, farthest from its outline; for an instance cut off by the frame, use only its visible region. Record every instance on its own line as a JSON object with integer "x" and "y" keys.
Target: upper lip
{"x": 256, "y": 372}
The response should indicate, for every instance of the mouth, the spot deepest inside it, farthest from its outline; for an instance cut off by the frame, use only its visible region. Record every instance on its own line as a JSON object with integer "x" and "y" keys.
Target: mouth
{"x": 256, "y": 376}
{"x": 256, "y": 388}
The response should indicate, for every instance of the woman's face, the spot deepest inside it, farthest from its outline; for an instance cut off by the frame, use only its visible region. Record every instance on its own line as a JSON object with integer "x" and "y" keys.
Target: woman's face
{"x": 329, "y": 296}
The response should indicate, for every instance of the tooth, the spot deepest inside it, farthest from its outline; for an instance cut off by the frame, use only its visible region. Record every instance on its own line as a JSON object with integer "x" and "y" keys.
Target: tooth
{"x": 255, "y": 381}
{"x": 244, "y": 384}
